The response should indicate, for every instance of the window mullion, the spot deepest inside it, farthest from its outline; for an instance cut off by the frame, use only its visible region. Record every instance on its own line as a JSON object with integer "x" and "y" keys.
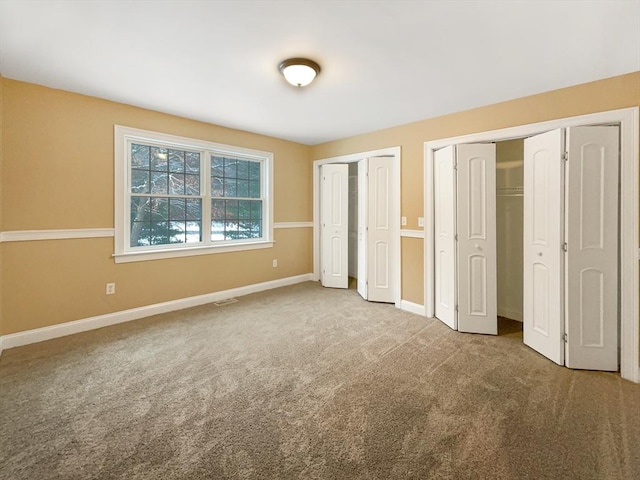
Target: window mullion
{"x": 206, "y": 197}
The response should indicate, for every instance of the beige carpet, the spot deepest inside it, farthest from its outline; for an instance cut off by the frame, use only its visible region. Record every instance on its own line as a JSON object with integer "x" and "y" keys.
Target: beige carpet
{"x": 308, "y": 383}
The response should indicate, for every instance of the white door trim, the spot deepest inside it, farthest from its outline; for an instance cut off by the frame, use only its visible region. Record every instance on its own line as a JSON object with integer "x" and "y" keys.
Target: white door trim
{"x": 394, "y": 209}
{"x": 628, "y": 118}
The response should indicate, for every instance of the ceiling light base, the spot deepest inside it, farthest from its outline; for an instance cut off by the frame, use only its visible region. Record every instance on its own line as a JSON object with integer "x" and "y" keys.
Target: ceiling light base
{"x": 299, "y": 72}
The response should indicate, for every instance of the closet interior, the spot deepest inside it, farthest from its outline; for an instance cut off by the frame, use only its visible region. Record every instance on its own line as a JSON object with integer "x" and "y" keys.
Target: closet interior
{"x": 353, "y": 224}
{"x": 510, "y": 227}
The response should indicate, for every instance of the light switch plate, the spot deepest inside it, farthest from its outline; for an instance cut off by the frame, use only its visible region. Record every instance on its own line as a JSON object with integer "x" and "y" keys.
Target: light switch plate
{"x": 421, "y": 221}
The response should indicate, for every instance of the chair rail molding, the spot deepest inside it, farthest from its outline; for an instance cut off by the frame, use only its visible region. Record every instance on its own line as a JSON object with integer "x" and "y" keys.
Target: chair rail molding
{"x": 58, "y": 234}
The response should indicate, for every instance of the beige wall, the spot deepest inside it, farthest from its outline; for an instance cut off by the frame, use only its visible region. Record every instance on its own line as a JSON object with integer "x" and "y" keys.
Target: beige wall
{"x": 58, "y": 173}
{"x": 603, "y": 95}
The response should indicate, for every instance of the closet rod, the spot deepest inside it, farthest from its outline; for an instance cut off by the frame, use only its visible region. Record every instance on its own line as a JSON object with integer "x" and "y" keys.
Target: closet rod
{"x": 509, "y": 191}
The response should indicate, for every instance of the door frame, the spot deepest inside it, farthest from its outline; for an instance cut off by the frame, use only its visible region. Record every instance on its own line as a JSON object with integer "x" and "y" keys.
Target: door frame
{"x": 628, "y": 120}
{"x": 394, "y": 210}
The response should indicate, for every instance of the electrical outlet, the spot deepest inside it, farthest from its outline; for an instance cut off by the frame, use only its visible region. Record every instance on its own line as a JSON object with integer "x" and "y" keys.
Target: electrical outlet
{"x": 421, "y": 221}
{"x": 404, "y": 221}
{"x": 275, "y": 262}
{"x": 111, "y": 288}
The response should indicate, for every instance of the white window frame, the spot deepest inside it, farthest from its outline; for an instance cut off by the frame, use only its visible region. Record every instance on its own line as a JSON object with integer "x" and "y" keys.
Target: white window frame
{"x": 124, "y": 136}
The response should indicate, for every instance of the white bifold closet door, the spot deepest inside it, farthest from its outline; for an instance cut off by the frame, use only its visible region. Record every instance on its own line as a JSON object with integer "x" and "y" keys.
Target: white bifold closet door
{"x": 592, "y": 248}
{"x": 363, "y": 188}
{"x": 543, "y": 245}
{"x": 376, "y": 268}
{"x": 570, "y": 299}
{"x": 476, "y": 228}
{"x": 334, "y": 219}
{"x": 465, "y": 237}
{"x": 444, "y": 190}
{"x": 380, "y": 267}
{"x": 572, "y": 206}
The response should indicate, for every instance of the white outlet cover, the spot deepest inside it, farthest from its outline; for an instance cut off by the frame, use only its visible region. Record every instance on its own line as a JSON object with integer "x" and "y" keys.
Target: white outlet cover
{"x": 421, "y": 221}
{"x": 404, "y": 220}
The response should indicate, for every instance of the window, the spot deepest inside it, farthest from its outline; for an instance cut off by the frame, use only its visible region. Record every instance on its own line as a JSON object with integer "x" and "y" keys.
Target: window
{"x": 178, "y": 196}
{"x": 166, "y": 206}
{"x": 236, "y": 204}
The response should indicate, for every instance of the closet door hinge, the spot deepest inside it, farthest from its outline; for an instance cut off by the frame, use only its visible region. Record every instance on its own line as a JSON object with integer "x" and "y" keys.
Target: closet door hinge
{"x": 565, "y": 156}
{"x": 564, "y": 247}
{"x": 457, "y": 309}
{"x": 455, "y": 237}
{"x": 564, "y": 337}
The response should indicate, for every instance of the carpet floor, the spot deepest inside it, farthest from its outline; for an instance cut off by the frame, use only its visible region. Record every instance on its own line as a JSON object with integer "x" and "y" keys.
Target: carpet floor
{"x": 308, "y": 383}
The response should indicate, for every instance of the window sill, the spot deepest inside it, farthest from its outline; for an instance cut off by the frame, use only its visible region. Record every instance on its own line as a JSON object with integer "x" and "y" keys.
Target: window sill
{"x": 189, "y": 251}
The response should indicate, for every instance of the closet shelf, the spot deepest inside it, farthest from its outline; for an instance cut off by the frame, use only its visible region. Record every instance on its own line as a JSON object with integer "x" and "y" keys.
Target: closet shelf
{"x": 510, "y": 191}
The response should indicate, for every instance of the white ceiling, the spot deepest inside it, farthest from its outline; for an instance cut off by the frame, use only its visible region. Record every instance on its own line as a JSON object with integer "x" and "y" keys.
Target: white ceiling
{"x": 384, "y": 63}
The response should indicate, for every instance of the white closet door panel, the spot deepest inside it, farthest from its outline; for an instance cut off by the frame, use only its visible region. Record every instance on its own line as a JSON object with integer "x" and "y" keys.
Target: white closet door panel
{"x": 592, "y": 256}
{"x": 335, "y": 222}
{"x": 543, "y": 239}
{"x": 444, "y": 181}
{"x": 380, "y": 231}
{"x": 363, "y": 200}
{"x": 476, "y": 228}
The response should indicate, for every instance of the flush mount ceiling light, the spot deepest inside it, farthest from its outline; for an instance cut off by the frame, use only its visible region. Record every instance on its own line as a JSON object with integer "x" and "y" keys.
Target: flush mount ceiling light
{"x": 299, "y": 72}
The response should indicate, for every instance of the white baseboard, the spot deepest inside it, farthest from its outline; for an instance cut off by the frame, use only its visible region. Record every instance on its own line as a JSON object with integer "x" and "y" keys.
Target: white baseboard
{"x": 416, "y": 308}
{"x": 69, "y": 328}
